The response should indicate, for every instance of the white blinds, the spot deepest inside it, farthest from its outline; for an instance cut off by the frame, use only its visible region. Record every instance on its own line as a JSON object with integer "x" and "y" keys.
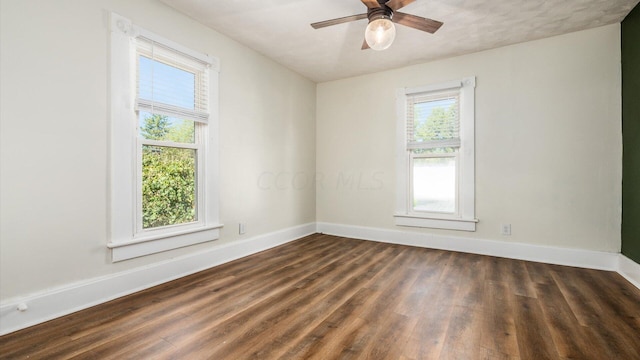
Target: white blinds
{"x": 433, "y": 120}
{"x": 170, "y": 82}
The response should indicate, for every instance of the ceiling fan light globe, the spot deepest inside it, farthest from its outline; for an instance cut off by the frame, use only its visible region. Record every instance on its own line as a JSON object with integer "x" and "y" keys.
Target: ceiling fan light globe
{"x": 380, "y": 34}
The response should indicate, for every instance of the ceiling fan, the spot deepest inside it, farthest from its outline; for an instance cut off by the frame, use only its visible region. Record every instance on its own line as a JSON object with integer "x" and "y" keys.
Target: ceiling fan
{"x": 381, "y": 32}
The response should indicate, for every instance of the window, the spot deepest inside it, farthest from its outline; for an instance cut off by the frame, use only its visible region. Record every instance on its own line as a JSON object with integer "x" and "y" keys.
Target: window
{"x": 435, "y": 148}
{"x": 164, "y": 167}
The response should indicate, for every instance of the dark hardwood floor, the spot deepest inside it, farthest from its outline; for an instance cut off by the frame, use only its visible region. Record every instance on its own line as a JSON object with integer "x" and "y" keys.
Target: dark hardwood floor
{"x": 324, "y": 297}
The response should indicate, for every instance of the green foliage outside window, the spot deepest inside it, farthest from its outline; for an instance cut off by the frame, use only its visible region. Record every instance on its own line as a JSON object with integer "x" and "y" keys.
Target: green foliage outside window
{"x": 440, "y": 124}
{"x": 168, "y": 173}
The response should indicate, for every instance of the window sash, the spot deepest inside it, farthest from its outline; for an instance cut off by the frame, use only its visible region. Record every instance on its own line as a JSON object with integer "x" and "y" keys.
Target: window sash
{"x": 170, "y": 110}
{"x": 198, "y": 146}
{"x": 171, "y": 144}
{"x": 451, "y": 143}
{"x": 140, "y": 231}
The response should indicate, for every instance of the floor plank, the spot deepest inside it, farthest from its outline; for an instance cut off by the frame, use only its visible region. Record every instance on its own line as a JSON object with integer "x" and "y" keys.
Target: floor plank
{"x": 534, "y": 340}
{"x": 327, "y": 297}
{"x": 499, "y": 329}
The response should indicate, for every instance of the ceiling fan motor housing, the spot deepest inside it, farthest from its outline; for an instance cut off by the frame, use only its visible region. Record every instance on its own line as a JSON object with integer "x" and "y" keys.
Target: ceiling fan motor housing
{"x": 382, "y": 12}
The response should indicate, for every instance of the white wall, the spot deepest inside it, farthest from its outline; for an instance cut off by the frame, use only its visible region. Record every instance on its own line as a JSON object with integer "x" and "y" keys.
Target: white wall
{"x": 53, "y": 138}
{"x": 548, "y": 156}
{"x": 548, "y": 141}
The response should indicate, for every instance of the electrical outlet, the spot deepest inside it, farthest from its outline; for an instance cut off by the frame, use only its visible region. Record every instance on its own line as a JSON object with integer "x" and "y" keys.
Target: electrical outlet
{"x": 505, "y": 229}
{"x": 241, "y": 228}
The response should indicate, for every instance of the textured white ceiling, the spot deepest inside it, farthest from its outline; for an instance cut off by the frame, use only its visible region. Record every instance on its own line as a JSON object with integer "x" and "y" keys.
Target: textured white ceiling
{"x": 280, "y": 29}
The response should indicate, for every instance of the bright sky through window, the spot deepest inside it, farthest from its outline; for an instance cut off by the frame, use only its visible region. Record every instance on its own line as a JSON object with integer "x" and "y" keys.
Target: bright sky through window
{"x": 170, "y": 85}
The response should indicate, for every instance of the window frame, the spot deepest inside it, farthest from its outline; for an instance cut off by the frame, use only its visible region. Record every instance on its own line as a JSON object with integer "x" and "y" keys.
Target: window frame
{"x": 463, "y": 218}
{"x": 126, "y": 237}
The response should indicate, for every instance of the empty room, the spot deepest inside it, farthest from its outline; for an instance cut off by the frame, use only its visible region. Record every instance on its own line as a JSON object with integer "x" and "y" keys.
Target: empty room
{"x": 308, "y": 179}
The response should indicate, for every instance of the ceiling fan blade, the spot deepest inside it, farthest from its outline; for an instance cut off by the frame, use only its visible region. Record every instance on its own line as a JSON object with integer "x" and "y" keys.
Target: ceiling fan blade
{"x": 365, "y": 46}
{"x": 321, "y": 24}
{"x": 371, "y": 4}
{"x": 398, "y": 4}
{"x": 417, "y": 22}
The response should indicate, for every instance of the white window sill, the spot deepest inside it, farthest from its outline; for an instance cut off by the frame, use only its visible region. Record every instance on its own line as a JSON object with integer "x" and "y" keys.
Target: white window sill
{"x": 436, "y": 223}
{"x": 124, "y": 250}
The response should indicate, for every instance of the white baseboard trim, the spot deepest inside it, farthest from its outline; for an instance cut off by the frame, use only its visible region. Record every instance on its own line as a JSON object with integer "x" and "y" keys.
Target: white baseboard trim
{"x": 629, "y": 269}
{"x": 546, "y": 254}
{"x": 74, "y": 297}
